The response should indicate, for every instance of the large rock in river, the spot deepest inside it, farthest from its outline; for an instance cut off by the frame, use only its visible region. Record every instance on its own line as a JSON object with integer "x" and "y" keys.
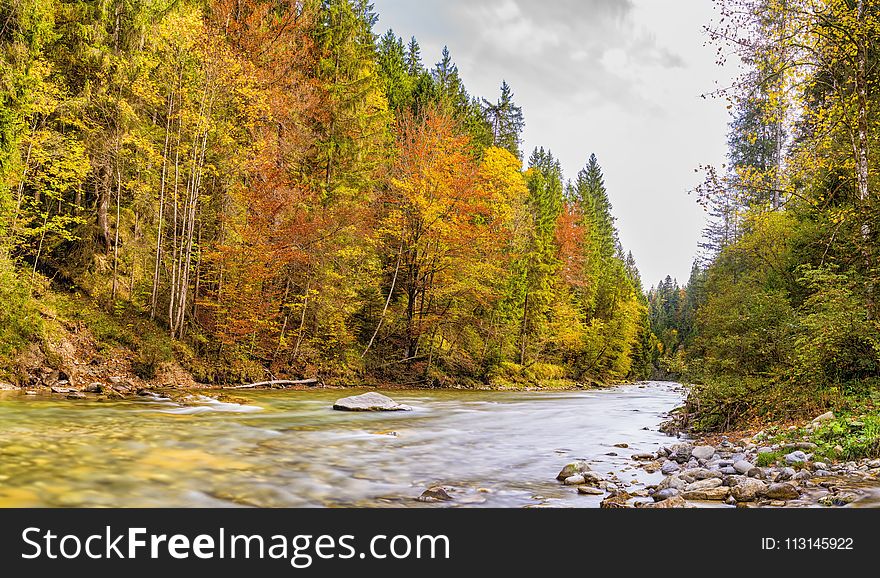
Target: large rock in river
{"x": 575, "y": 468}
{"x": 369, "y": 402}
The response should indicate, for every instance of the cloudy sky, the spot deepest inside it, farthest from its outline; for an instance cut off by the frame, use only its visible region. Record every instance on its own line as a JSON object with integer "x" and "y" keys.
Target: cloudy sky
{"x": 621, "y": 78}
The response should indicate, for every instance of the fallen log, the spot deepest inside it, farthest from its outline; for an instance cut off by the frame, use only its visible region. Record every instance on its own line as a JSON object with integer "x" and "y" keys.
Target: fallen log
{"x": 279, "y": 382}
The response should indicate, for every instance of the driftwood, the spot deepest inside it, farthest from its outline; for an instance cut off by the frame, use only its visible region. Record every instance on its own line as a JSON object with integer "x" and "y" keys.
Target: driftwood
{"x": 279, "y": 382}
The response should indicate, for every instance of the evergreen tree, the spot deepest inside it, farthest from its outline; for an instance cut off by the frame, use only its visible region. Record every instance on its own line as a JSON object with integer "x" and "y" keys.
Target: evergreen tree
{"x": 506, "y": 120}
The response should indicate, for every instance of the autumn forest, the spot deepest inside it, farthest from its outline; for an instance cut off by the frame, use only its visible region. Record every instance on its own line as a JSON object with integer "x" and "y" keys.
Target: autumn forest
{"x": 255, "y": 188}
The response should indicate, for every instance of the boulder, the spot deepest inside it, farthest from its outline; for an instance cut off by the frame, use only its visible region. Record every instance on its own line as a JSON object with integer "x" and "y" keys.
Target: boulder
{"x": 681, "y": 452}
{"x": 673, "y": 502}
{"x": 783, "y": 491}
{"x": 435, "y": 494}
{"x": 666, "y": 494}
{"x": 703, "y": 452}
{"x": 371, "y": 401}
{"x": 785, "y": 474}
{"x": 712, "y": 494}
{"x": 839, "y": 499}
{"x": 573, "y": 469}
{"x": 748, "y": 490}
{"x": 673, "y": 482}
{"x": 706, "y": 484}
{"x": 797, "y": 457}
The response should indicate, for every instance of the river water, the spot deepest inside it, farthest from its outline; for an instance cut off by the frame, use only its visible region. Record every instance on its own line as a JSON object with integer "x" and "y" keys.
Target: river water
{"x": 290, "y": 449}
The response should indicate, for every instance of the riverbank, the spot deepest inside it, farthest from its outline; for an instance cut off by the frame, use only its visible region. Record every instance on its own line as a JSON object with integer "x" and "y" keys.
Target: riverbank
{"x": 775, "y": 467}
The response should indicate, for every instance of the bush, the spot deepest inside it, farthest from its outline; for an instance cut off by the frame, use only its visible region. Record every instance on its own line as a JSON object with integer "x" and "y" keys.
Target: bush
{"x": 20, "y": 320}
{"x": 152, "y": 354}
{"x": 859, "y": 437}
{"x": 729, "y": 402}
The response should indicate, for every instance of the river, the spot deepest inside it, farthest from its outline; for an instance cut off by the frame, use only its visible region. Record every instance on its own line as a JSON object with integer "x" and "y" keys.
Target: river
{"x": 290, "y": 449}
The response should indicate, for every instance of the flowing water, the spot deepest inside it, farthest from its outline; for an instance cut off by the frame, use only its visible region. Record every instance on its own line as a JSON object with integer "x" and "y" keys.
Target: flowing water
{"x": 290, "y": 449}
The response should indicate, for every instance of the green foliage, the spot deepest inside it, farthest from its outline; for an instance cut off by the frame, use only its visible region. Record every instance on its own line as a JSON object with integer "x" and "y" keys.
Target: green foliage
{"x": 769, "y": 458}
{"x": 858, "y": 436}
{"x": 20, "y": 320}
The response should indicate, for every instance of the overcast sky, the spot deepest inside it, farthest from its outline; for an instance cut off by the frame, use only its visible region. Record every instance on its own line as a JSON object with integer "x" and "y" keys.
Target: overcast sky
{"x": 621, "y": 78}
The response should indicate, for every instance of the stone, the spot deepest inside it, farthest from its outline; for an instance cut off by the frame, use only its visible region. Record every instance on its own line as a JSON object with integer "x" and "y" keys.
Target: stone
{"x": 619, "y": 500}
{"x": 574, "y": 480}
{"x": 673, "y": 482}
{"x": 435, "y": 494}
{"x": 651, "y": 467}
{"x": 371, "y": 401}
{"x": 666, "y": 494}
{"x": 802, "y": 475}
{"x": 719, "y": 493}
{"x": 621, "y": 445}
{"x": 765, "y": 450}
{"x": 824, "y": 417}
{"x": 755, "y": 472}
{"x": 820, "y": 466}
{"x": 669, "y": 467}
{"x": 673, "y": 502}
{"x": 838, "y": 449}
{"x": 839, "y": 499}
{"x": 777, "y": 503}
{"x": 592, "y": 478}
{"x": 785, "y": 474}
{"x": 681, "y": 452}
{"x": 728, "y": 471}
{"x": 76, "y": 395}
{"x": 590, "y": 491}
{"x": 748, "y": 490}
{"x": 743, "y": 467}
{"x": 782, "y": 491}
{"x": 572, "y": 469}
{"x": 7, "y": 386}
{"x": 822, "y": 473}
{"x": 706, "y": 484}
{"x": 95, "y": 387}
{"x": 643, "y": 457}
{"x": 797, "y": 457}
{"x": 703, "y": 452}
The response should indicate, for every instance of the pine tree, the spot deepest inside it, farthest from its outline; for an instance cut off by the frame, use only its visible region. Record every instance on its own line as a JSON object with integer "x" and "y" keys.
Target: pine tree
{"x": 506, "y": 120}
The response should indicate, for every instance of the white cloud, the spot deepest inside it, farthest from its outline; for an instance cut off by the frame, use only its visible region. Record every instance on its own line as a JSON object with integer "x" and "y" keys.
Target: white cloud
{"x": 620, "y": 78}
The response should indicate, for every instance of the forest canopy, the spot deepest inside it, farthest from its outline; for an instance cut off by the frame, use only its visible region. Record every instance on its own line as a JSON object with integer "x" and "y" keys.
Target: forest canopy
{"x": 280, "y": 189}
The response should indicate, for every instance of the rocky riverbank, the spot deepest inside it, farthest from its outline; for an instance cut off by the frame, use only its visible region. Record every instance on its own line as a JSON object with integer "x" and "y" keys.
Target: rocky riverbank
{"x": 742, "y": 472}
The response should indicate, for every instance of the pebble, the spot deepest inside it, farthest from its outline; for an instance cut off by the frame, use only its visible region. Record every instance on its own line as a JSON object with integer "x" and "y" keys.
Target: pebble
{"x": 590, "y": 491}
